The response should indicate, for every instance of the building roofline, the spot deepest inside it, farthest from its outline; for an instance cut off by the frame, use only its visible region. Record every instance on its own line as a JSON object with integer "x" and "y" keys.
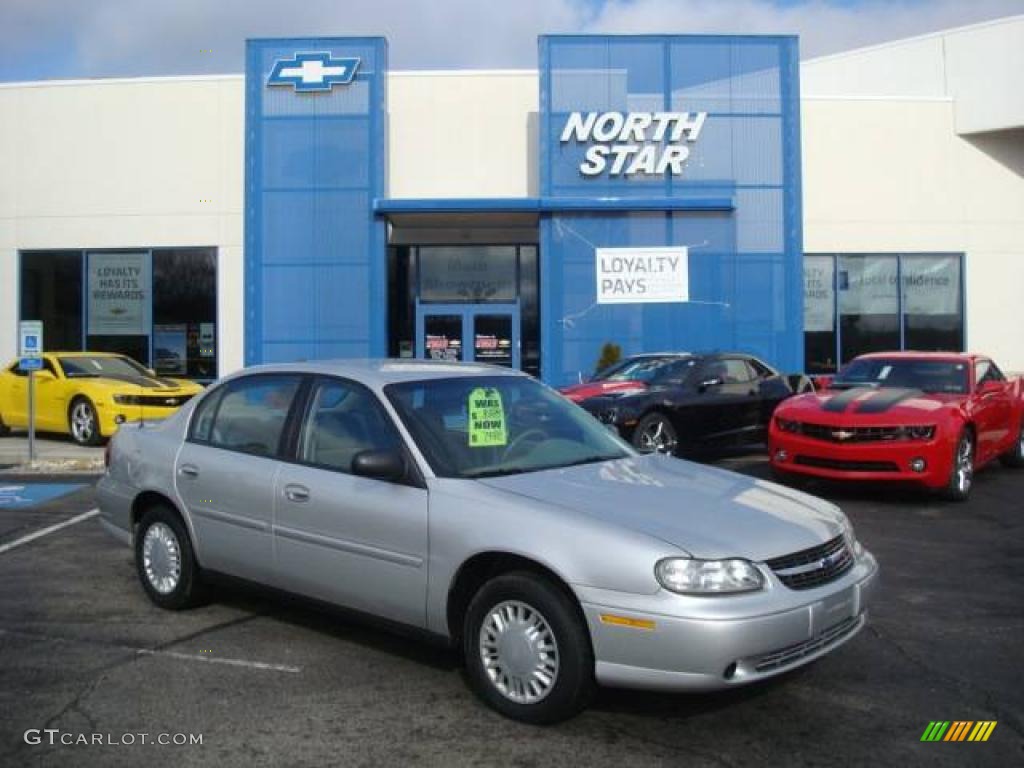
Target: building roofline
{"x": 914, "y": 39}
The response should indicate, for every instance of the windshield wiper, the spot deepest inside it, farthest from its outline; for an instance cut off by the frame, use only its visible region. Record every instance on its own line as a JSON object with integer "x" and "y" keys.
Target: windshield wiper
{"x": 586, "y": 460}
{"x": 497, "y": 472}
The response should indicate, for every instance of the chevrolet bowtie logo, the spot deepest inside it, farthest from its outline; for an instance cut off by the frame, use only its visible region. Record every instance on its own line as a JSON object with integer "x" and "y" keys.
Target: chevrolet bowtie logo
{"x": 842, "y": 434}
{"x": 307, "y": 72}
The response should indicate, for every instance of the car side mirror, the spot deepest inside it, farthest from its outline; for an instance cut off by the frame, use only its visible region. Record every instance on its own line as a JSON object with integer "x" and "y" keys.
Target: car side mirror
{"x": 714, "y": 381}
{"x": 990, "y": 386}
{"x": 379, "y": 465}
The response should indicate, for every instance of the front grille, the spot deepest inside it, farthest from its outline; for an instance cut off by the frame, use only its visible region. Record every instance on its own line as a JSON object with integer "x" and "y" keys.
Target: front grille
{"x": 850, "y": 434}
{"x": 813, "y": 567}
{"x": 793, "y": 653}
{"x": 845, "y": 465}
{"x": 158, "y": 401}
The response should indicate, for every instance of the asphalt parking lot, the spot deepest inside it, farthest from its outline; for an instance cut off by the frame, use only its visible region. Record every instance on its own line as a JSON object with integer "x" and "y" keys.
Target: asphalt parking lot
{"x": 272, "y": 682}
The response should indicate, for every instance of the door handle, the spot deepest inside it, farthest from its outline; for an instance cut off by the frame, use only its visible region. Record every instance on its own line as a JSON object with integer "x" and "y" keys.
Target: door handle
{"x": 296, "y": 493}
{"x": 188, "y": 469}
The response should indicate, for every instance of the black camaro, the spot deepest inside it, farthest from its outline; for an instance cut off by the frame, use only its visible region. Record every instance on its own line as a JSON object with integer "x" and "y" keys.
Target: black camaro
{"x": 685, "y": 403}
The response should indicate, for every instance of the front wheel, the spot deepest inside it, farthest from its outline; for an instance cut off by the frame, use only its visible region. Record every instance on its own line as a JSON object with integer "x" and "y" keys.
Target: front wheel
{"x": 1015, "y": 456}
{"x": 655, "y": 434}
{"x": 4, "y": 429}
{"x": 961, "y": 476}
{"x": 528, "y": 653}
{"x": 84, "y": 423}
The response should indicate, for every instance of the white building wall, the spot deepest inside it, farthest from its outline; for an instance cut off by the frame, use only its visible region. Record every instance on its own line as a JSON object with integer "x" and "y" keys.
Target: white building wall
{"x": 124, "y": 163}
{"x": 462, "y": 134}
{"x": 885, "y": 175}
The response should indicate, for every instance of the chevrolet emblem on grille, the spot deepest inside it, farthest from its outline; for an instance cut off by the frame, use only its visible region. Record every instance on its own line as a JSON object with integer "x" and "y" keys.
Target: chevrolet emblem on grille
{"x": 170, "y": 401}
{"x": 842, "y": 434}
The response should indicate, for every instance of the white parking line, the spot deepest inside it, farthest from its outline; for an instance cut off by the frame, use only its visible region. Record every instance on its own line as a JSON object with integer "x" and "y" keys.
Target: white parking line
{"x": 261, "y": 665}
{"x": 215, "y": 660}
{"x": 47, "y": 531}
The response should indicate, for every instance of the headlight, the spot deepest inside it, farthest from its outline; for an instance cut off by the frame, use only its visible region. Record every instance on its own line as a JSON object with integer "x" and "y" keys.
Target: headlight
{"x": 919, "y": 433}
{"x": 608, "y": 416}
{"x": 126, "y": 399}
{"x": 708, "y": 577}
{"x": 785, "y": 425}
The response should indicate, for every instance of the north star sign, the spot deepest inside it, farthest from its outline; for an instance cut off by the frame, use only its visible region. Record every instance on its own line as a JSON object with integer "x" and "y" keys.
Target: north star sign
{"x": 634, "y": 142}
{"x": 313, "y": 71}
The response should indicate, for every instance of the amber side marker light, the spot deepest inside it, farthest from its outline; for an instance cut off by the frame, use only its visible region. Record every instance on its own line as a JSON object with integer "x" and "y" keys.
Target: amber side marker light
{"x": 626, "y": 621}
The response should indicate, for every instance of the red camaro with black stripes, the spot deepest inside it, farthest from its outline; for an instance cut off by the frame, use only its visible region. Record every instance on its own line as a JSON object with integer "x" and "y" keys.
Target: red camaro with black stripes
{"x": 926, "y": 417}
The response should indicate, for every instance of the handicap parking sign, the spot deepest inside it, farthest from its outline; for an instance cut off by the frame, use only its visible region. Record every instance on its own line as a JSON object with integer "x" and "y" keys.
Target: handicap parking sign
{"x": 32, "y": 343}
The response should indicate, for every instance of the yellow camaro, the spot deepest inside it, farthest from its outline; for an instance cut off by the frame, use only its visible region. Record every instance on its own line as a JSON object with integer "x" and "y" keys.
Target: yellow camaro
{"x": 88, "y": 394}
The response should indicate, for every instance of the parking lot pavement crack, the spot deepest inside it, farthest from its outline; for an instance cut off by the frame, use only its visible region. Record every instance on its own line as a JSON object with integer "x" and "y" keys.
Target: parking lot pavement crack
{"x": 211, "y": 629}
{"x": 988, "y": 700}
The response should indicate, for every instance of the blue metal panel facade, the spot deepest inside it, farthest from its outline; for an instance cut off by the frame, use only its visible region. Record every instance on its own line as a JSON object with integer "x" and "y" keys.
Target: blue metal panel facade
{"x": 315, "y": 267}
{"x": 745, "y": 262}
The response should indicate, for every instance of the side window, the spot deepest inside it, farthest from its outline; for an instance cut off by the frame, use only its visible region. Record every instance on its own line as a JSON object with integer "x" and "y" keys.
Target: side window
{"x": 737, "y": 371}
{"x": 761, "y": 371}
{"x": 344, "y": 419}
{"x": 986, "y": 371}
{"x": 202, "y": 419}
{"x": 252, "y": 414}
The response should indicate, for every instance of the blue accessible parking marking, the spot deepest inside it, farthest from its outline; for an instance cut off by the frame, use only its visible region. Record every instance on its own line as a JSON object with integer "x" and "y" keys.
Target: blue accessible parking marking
{"x": 17, "y": 496}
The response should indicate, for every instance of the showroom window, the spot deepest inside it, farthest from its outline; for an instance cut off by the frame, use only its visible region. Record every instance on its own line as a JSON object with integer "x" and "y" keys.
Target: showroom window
{"x": 158, "y": 306}
{"x": 874, "y": 302}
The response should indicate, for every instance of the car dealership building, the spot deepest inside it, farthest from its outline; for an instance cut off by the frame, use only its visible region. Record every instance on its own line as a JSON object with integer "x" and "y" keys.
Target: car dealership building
{"x": 657, "y": 192}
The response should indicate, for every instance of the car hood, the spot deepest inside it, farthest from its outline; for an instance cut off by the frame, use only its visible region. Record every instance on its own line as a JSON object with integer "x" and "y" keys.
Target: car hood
{"x": 580, "y": 392}
{"x": 707, "y": 512}
{"x": 867, "y": 405}
{"x": 143, "y": 385}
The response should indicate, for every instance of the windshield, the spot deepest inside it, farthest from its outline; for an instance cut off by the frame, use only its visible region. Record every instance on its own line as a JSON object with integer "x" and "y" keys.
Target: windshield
{"x": 486, "y": 426}
{"x": 648, "y": 369}
{"x": 936, "y": 376}
{"x": 116, "y": 367}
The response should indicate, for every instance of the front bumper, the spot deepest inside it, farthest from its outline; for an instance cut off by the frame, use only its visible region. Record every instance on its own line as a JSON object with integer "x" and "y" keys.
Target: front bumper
{"x": 886, "y": 462}
{"x": 727, "y": 641}
{"x": 109, "y": 412}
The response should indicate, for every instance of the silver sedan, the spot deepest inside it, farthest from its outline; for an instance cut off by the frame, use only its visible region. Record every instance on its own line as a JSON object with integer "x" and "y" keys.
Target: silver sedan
{"x": 479, "y": 505}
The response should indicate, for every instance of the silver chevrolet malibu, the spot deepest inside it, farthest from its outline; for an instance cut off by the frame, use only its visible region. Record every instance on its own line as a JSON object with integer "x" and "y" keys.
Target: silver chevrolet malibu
{"x": 480, "y": 506}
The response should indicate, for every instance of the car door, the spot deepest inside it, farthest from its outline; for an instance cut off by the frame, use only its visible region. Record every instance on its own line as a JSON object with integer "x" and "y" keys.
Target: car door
{"x": 993, "y": 409}
{"x": 226, "y": 470}
{"x": 51, "y": 400}
{"x": 350, "y": 540}
{"x": 726, "y": 400}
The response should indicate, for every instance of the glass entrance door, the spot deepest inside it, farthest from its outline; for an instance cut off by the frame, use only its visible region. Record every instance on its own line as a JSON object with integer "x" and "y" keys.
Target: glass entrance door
{"x": 483, "y": 333}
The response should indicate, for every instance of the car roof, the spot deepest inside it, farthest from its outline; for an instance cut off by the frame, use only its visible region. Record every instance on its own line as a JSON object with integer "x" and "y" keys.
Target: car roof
{"x": 79, "y": 353}
{"x": 383, "y": 371}
{"x": 911, "y": 355}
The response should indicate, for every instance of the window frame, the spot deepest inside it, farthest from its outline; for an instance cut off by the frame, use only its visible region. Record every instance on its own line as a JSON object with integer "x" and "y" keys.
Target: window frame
{"x": 412, "y": 476}
{"x": 284, "y": 440}
{"x": 900, "y": 258}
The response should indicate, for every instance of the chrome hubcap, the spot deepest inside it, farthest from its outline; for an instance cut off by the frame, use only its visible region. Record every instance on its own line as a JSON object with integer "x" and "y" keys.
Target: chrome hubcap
{"x": 82, "y": 422}
{"x": 964, "y": 465}
{"x": 657, "y": 437}
{"x": 161, "y": 558}
{"x": 519, "y": 652}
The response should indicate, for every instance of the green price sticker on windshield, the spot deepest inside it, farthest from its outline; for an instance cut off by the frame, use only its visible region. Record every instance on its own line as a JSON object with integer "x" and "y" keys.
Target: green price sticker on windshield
{"x": 486, "y": 418}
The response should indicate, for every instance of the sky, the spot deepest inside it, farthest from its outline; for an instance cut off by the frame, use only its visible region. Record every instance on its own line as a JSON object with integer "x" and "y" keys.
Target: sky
{"x": 43, "y": 39}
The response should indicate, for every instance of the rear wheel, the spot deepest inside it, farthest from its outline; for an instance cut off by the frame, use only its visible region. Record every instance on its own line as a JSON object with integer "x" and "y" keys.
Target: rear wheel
{"x": 84, "y": 422}
{"x": 527, "y": 649}
{"x": 1015, "y": 456}
{"x": 961, "y": 476}
{"x": 165, "y": 562}
{"x": 655, "y": 434}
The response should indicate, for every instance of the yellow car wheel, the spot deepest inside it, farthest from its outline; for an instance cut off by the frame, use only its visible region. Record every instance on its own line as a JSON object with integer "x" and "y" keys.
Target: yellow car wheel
{"x": 84, "y": 422}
